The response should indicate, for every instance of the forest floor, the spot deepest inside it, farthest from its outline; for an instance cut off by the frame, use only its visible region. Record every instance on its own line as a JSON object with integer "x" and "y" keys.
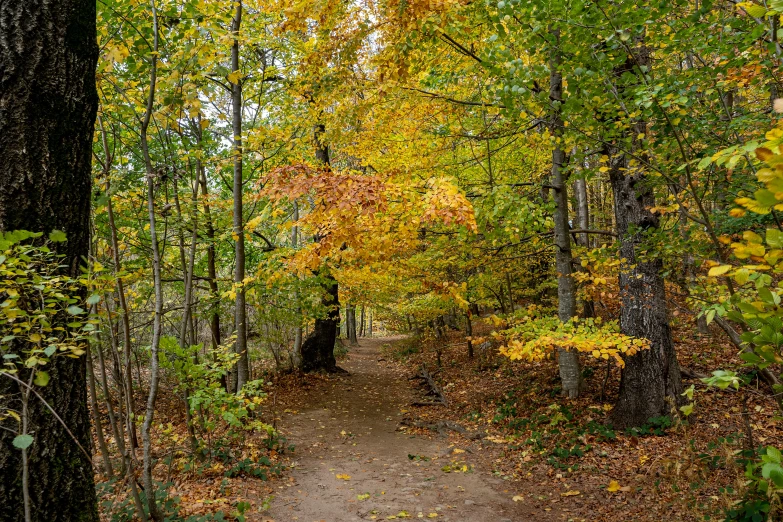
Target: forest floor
{"x": 365, "y": 449}
{"x": 353, "y": 460}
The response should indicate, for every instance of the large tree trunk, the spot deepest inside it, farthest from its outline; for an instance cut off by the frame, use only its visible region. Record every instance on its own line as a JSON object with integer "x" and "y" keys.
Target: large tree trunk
{"x": 48, "y": 104}
{"x": 650, "y": 384}
{"x": 568, "y": 360}
{"x": 318, "y": 348}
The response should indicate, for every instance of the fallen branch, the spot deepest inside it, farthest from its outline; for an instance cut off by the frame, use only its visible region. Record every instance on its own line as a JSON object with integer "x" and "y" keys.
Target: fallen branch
{"x": 692, "y": 374}
{"x": 442, "y": 426}
{"x": 435, "y": 389}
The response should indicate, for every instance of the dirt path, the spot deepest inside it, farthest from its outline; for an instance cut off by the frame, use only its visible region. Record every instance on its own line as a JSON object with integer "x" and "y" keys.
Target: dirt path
{"x": 352, "y": 464}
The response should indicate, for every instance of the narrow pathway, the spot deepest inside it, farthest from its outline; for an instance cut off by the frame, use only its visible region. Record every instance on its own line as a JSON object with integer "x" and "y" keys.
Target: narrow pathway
{"x": 352, "y": 464}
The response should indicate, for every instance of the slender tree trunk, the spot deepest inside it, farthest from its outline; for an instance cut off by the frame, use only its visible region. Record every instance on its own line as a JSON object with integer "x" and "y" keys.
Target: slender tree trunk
{"x": 240, "y": 311}
{"x": 361, "y": 323}
{"x": 214, "y": 293}
{"x": 469, "y": 332}
{"x": 127, "y": 459}
{"x": 568, "y": 360}
{"x": 650, "y": 385}
{"x": 48, "y": 103}
{"x": 149, "y": 414}
{"x": 125, "y": 317}
{"x": 350, "y": 312}
{"x": 188, "y": 261}
{"x": 97, "y": 420}
{"x": 297, "y": 359}
{"x": 583, "y": 240}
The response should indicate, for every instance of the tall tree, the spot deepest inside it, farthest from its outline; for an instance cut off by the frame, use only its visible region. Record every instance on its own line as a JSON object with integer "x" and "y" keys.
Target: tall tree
{"x": 48, "y": 104}
{"x": 318, "y": 348}
{"x": 240, "y": 317}
{"x": 650, "y": 384}
{"x": 568, "y": 360}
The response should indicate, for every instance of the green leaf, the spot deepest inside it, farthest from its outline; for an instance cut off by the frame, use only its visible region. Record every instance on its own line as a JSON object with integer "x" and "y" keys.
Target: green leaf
{"x": 57, "y": 236}
{"x": 776, "y": 475}
{"x": 773, "y": 453}
{"x": 751, "y": 358}
{"x": 74, "y": 310}
{"x": 22, "y": 441}
{"x": 41, "y": 378}
{"x": 687, "y": 410}
{"x": 754, "y": 10}
{"x": 774, "y": 238}
{"x": 94, "y": 299}
{"x": 49, "y": 350}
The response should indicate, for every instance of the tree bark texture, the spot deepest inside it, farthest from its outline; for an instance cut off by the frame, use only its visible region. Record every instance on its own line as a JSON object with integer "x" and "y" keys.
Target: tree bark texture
{"x": 650, "y": 385}
{"x": 568, "y": 360}
{"x": 350, "y": 319}
{"x": 48, "y": 104}
{"x": 243, "y": 364}
{"x": 318, "y": 348}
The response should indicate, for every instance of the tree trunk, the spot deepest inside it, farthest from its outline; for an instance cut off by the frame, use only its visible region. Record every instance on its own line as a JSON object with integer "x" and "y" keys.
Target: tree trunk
{"x": 350, "y": 312}
{"x": 297, "y": 356}
{"x": 469, "y": 332}
{"x": 96, "y": 417}
{"x": 214, "y": 293}
{"x": 48, "y": 103}
{"x": 650, "y": 384}
{"x": 568, "y": 360}
{"x": 318, "y": 348}
{"x": 243, "y": 366}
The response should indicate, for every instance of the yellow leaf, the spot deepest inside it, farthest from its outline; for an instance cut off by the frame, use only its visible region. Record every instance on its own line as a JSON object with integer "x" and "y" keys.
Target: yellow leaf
{"x": 343, "y": 476}
{"x": 613, "y": 487}
{"x": 518, "y": 498}
{"x": 570, "y": 493}
{"x": 715, "y": 271}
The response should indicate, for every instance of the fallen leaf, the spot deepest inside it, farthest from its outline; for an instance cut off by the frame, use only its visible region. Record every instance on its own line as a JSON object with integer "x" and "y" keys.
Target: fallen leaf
{"x": 518, "y": 498}
{"x": 343, "y": 476}
{"x": 613, "y": 487}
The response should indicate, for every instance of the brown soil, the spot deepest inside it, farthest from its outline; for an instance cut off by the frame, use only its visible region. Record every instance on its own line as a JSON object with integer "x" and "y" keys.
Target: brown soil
{"x": 352, "y": 462}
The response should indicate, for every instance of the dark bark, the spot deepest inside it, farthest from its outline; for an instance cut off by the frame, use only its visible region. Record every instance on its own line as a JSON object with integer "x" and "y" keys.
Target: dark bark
{"x": 318, "y": 348}
{"x": 243, "y": 364}
{"x": 568, "y": 360}
{"x": 48, "y": 103}
{"x": 350, "y": 312}
{"x": 469, "y": 332}
{"x": 650, "y": 385}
